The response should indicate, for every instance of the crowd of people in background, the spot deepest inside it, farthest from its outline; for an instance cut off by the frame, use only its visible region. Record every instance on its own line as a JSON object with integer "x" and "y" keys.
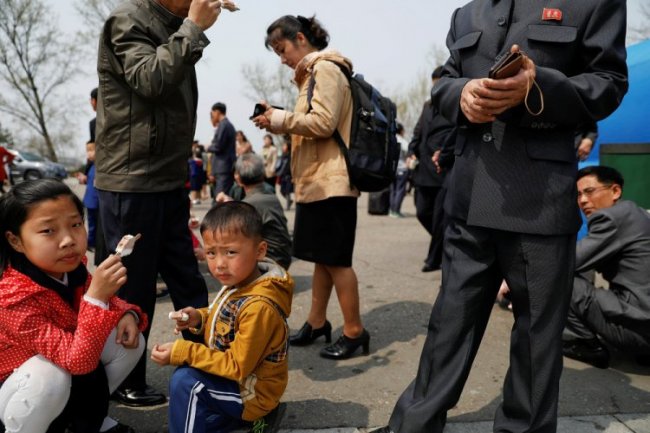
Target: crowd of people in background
{"x": 483, "y": 154}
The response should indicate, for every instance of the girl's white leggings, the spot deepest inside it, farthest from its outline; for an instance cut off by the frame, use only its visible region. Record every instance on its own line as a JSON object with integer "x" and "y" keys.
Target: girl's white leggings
{"x": 37, "y": 391}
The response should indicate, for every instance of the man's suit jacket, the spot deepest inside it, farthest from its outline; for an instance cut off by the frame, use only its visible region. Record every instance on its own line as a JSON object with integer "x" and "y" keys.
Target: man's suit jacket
{"x": 429, "y": 135}
{"x": 518, "y": 173}
{"x": 223, "y": 148}
{"x": 618, "y": 246}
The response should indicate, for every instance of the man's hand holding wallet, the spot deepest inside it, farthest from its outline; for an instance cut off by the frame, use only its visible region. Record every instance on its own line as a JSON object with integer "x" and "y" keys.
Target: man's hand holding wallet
{"x": 509, "y": 81}
{"x": 507, "y": 66}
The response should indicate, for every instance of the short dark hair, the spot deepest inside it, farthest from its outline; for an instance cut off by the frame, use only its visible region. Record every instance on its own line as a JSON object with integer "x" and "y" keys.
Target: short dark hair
{"x": 250, "y": 168}
{"x": 399, "y": 128}
{"x": 233, "y": 217}
{"x": 93, "y": 93}
{"x": 220, "y": 107}
{"x": 15, "y": 205}
{"x": 605, "y": 175}
{"x": 437, "y": 73}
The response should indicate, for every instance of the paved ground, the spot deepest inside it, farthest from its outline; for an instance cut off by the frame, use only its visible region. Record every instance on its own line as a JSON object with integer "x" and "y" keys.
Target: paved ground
{"x": 396, "y": 300}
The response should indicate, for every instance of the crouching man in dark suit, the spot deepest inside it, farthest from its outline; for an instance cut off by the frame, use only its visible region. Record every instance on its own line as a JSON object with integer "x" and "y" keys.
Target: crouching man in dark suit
{"x": 618, "y": 246}
{"x": 511, "y": 200}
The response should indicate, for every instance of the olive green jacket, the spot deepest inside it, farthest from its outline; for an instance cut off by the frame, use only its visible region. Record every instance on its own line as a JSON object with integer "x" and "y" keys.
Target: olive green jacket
{"x": 146, "y": 108}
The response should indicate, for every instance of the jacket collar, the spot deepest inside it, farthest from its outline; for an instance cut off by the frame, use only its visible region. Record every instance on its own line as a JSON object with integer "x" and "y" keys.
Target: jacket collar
{"x": 168, "y": 18}
{"x": 76, "y": 278}
{"x": 306, "y": 65}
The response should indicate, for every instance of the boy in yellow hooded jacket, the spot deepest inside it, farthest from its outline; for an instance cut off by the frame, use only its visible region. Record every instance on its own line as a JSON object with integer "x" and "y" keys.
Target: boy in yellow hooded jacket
{"x": 240, "y": 372}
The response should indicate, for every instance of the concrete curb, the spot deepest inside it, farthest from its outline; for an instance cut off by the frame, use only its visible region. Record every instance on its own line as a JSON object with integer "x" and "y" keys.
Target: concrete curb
{"x": 616, "y": 423}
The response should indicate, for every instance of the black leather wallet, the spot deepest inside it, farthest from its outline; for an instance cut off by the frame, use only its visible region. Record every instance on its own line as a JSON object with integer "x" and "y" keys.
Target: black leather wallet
{"x": 507, "y": 66}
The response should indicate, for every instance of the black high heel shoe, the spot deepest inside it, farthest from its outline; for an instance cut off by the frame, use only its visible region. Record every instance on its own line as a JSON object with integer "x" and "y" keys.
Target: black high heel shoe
{"x": 307, "y": 334}
{"x": 346, "y": 346}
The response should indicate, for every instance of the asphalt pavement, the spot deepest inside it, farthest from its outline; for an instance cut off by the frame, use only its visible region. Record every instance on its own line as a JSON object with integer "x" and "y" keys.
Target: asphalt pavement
{"x": 396, "y": 299}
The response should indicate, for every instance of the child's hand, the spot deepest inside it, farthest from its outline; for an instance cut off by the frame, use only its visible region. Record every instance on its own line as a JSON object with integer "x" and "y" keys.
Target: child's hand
{"x": 109, "y": 276}
{"x": 193, "y": 319}
{"x": 161, "y": 353}
{"x": 128, "y": 332}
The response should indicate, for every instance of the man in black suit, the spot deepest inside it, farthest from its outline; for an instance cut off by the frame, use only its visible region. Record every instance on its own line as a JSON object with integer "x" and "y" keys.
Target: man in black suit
{"x": 429, "y": 134}
{"x": 618, "y": 246}
{"x": 512, "y": 197}
{"x": 223, "y": 150}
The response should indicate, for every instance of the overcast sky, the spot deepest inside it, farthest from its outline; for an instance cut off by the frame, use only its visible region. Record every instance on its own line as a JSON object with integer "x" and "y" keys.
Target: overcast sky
{"x": 389, "y": 41}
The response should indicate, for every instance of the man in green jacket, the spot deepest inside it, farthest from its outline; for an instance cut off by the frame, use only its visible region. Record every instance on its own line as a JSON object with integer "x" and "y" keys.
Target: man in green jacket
{"x": 146, "y": 118}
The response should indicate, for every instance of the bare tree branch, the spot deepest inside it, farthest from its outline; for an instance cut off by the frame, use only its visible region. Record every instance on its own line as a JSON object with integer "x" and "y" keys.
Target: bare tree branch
{"x": 35, "y": 62}
{"x": 273, "y": 86}
{"x": 409, "y": 101}
{"x": 94, "y": 13}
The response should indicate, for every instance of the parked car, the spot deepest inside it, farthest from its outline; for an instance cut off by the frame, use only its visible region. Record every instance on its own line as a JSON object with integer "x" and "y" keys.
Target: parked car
{"x": 28, "y": 166}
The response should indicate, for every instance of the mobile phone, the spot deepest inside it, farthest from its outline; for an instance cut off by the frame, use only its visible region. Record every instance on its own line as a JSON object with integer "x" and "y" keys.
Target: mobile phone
{"x": 260, "y": 109}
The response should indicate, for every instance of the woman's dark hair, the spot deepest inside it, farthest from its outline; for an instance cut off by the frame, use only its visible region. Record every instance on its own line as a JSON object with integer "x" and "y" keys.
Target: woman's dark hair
{"x": 15, "y": 205}
{"x": 288, "y": 27}
{"x": 243, "y": 136}
{"x": 233, "y": 217}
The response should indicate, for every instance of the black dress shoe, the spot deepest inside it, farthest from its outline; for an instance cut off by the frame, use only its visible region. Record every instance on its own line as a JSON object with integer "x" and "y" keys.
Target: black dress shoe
{"x": 345, "y": 346}
{"x": 139, "y": 397}
{"x": 430, "y": 268}
{"x": 307, "y": 334}
{"x": 589, "y": 351}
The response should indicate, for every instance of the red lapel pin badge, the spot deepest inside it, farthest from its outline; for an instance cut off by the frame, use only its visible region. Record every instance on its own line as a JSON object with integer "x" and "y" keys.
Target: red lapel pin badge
{"x": 551, "y": 14}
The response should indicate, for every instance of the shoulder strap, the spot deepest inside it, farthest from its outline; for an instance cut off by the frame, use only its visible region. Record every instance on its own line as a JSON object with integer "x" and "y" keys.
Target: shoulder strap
{"x": 337, "y": 134}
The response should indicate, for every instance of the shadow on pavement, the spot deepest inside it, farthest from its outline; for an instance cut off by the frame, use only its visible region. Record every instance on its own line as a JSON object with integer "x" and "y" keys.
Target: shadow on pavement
{"x": 582, "y": 394}
{"x": 387, "y": 324}
{"x": 324, "y": 413}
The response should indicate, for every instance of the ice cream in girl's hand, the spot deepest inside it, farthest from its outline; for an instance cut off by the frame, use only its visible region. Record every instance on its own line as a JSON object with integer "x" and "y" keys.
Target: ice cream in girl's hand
{"x": 126, "y": 245}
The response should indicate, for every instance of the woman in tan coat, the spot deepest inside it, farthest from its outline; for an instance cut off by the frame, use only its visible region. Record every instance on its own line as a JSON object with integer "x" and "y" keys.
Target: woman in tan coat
{"x": 326, "y": 203}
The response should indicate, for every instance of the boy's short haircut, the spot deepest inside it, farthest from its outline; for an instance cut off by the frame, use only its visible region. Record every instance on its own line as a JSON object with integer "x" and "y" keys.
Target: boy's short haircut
{"x": 250, "y": 168}
{"x": 233, "y": 217}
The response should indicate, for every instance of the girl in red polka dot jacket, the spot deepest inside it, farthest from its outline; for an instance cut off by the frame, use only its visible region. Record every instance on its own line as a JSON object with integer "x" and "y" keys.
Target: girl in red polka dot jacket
{"x": 66, "y": 340}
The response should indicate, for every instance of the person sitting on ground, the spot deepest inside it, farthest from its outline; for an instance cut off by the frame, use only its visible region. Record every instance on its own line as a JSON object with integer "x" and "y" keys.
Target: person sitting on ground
{"x": 617, "y": 245}
{"x": 249, "y": 175}
{"x": 67, "y": 340}
{"x": 240, "y": 371}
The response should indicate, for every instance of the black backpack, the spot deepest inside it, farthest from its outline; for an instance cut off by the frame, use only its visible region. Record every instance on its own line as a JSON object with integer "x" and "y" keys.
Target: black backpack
{"x": 373, "y": 152}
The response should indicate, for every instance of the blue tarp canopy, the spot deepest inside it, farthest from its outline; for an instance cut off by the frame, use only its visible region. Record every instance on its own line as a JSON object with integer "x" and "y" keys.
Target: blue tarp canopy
{"x": 630, "y": 123}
